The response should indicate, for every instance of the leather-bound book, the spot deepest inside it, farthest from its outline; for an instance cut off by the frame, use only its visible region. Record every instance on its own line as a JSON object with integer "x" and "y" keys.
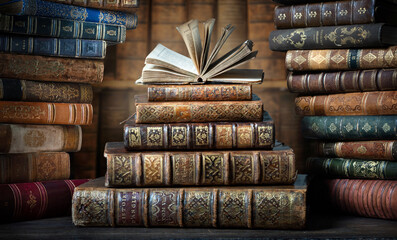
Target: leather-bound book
{"x": 45, "y": 113}
{"x": 36, "y": 200}
{"x": 192, "y": 111}
{"x": 217, "y": 135}
{"x": 294, "y": 2}
{"x": 42, "y": 68}
{"x": 341, "y": 59}
{"x": 343, "y": 82}
{"x": 114, "y": 5}
{"x": 365, "y": 103}
{"x": 266, "y": 207}
{"x": 208, "y": 168}
{"x": 34, "y": 167}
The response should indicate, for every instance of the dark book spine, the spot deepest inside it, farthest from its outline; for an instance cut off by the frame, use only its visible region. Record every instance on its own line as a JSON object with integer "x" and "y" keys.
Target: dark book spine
{"x": 343, "y": 82}
{"x": 114, "y": 5}
{"x": 352, "y": 168}
{"x": 350, "y": 127}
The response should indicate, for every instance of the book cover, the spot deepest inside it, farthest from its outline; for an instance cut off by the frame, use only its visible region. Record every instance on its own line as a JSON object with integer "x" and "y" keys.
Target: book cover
{"x": 113, "y": 5}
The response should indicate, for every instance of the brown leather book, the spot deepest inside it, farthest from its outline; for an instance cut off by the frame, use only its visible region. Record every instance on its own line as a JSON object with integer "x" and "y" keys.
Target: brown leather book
{"x": 211, "y": 111}
{"x": 33, "y": 167}
{"x": 366, "y": 103}
{"x": 341, "y": 59}
{"x": 24, "y": 138}
{"x": 266, "y": 207}
{"x": 31, "y": 67}
{"x": 343, "y": 82}
{"x": 45, "y": 113}
{"x": 114, "y": 5}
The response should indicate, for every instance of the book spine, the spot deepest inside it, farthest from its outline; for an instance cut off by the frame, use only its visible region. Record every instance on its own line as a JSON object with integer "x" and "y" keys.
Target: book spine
{"x": 368, "y": 198}
{"x": 325, "y": 14}
{"x": 353, "y": 168}
{"x": 33, "y": 167}
{"x": 200, "y": 93}
{"x": 45, "y": 113}
{"x": 294, "y": 2}
{"x": 341, "y": 59}
{"x": 51, "y": 69}
{"x": 62, "y": 28}
{"x": 28, "y": 201}
{"x": 366, "y": 103}
{"x": 342, "y": 82}
{"x": 32, "y": 91}
{"x": 23, "y": 138}
{"x": 199, "y": 136}
{"x": 205, "y": 207}
{"x": 115, "y": 5}
{"x": 379, "y": 150}
{"x": 346, "y": 36}
{"x": 357, "y": 128}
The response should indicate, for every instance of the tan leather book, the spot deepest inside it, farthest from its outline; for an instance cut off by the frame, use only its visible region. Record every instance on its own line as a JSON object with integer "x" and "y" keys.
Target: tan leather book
{"x": 113, "y": 5}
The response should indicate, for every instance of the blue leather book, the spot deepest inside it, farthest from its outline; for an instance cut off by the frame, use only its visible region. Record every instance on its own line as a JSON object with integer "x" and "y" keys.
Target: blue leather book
{"x": 60, "y": 47}
{"x": 62, "y": 28}
{"x": 57, "y": 10}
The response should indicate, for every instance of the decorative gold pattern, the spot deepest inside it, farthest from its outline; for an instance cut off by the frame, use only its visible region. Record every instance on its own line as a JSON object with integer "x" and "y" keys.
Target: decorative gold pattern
{"x": 179, "y": 135}
{"x": 362, "y": 10}
{"x": 296, "y": 38}
{"x": 349, "y": 127}
{"x": 22, "y": 112}
{"x": 299, "y": 59}
{"x": 224, "y": 136}
{"x": 343, "y": 12}
{"x": 184, "y": 166}
{"x": 315, "y": 127}
{"x": 332, "y": 127}
{"x": 197, "y": 208}
{"x": 365, "y": 169}
{"x": 389, "y": 56}
{"x": 111, "y": 33}
{"x": 367, "y": 127}
{"x": 244, "y": 137}
{"x": 153, "y": 169}
{"x": 361, "y": 149}
{"x": 298, "y": 15}
{"x": 154, "y": 136}
{"x": 269, "y": 206}
{"x": 233, "y": 208}
{"x": 242, "y": 167}
{"x": 327, "y": 13}
{"x": 134, "y": 137}
{"x": 337, "y": 58}
{"x": 282, "y": 16}
{"x": 386, "y": 127}
{"x": 34, "y": 138}
{"x": 91, "y": 206}
{"x": 202, "y": 136}
{"x": 370, "y": 57}
{"x": 318, "y": 59}
{"x": 122, "y": 170}
{"x": 312, "y": 14}
{"x": 212, "y": 168}
{"x": 265, "y": 135}
{"x": 46, "y": 170}
{"x": 32, "y": 201}
{"x": 163, "y": 208}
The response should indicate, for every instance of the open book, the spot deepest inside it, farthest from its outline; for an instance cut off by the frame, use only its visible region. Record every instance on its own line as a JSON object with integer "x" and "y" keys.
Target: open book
{"x": 164, "y": 66}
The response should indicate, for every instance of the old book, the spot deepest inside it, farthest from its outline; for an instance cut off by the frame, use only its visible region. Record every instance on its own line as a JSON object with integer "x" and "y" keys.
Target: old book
{"x": 365, "y": 103}
{"x": 342, "y": 82}
{"x": 355, "y": 128}
{"x": 292, "y": 2}
{"x": 56, "y": 10}
{"x": 333, "y": 13}
{"x": 34, "y": 167}
{"x": 28, "y": 201}
{"x": 220, "y": 207}
{"x": 24, "y": 138}
{"x": 175, "y": 168}
{"x": 38, "y": 91}
{"x": 218, "y": 135}
{"x": 51, "y": 69}
{"x": 329, "y": 37}
{"x": 353, "y": 168}
{"x": 114, "y": 5}
{"x": 207, "y": 92}
{"x": 62, "y": 28}
{"x": 367, "y": 198}
{"x": 204, "y": 111}
{"x": 45, "y": 113}
{"x": 341, "y": 59}
{"x": 378, "y": 150}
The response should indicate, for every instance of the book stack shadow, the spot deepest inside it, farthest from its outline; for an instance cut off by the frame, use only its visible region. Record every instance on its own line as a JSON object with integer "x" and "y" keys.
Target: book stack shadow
{"x": 342, "y": 59}
{"x": 50, "y": 54}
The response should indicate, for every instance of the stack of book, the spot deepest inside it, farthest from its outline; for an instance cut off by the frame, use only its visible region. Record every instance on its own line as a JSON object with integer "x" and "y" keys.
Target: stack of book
{"x": 50, "y": 53}
{"x": 343, "y": 63}
{"x": 187, "y": 144}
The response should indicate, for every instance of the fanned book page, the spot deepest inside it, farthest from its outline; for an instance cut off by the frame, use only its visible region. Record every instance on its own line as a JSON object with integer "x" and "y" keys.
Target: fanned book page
{"x": 165, "y": 66}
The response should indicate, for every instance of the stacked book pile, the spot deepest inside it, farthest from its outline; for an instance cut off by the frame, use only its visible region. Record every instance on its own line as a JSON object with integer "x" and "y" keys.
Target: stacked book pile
{"x": 50, "y": 53}
{"x": 342, "y": 61}
{"x": 187, "y": 144}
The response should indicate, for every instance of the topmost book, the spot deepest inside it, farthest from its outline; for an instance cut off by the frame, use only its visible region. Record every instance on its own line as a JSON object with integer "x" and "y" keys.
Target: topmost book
{"x": 114, "y": 5}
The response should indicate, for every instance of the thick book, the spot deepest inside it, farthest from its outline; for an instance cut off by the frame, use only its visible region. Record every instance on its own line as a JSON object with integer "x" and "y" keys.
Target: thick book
{"x": 293, "y": 2}
{"x": 331, "y": 37}
{"x": 56, "y": 10}
{"x": 45, "y": 113}
{"x": 352, "y": 168}
{"x": 341, "y": 59}
{"x": 355, "y": 128}
{"x": 36, "y": 200}
{"x": 42, "y": 68}
{"x": 113, "y": 5}
{"x": 25, "y": 138}
{"x": 375, "y": 149}
{"x": 39, "y": 91}
{"x": 205, "y": 92}
{"x": 218, "y": 135}
{"x": 62, "y": 28}
{"x": 194, "y": 111}
{"x": 362, "y": 103}
{"x": 58, "y": 47}
{"x": 343, "y": 81}
{"x": 34, "y": 167}
{"x": 207, "y": 168}
{"x": 266, "y": 207}
{"x": 334, "y": 13}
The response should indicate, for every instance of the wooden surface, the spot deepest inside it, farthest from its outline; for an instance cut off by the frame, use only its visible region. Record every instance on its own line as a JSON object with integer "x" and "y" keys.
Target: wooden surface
{"x": 318, "y": 227}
